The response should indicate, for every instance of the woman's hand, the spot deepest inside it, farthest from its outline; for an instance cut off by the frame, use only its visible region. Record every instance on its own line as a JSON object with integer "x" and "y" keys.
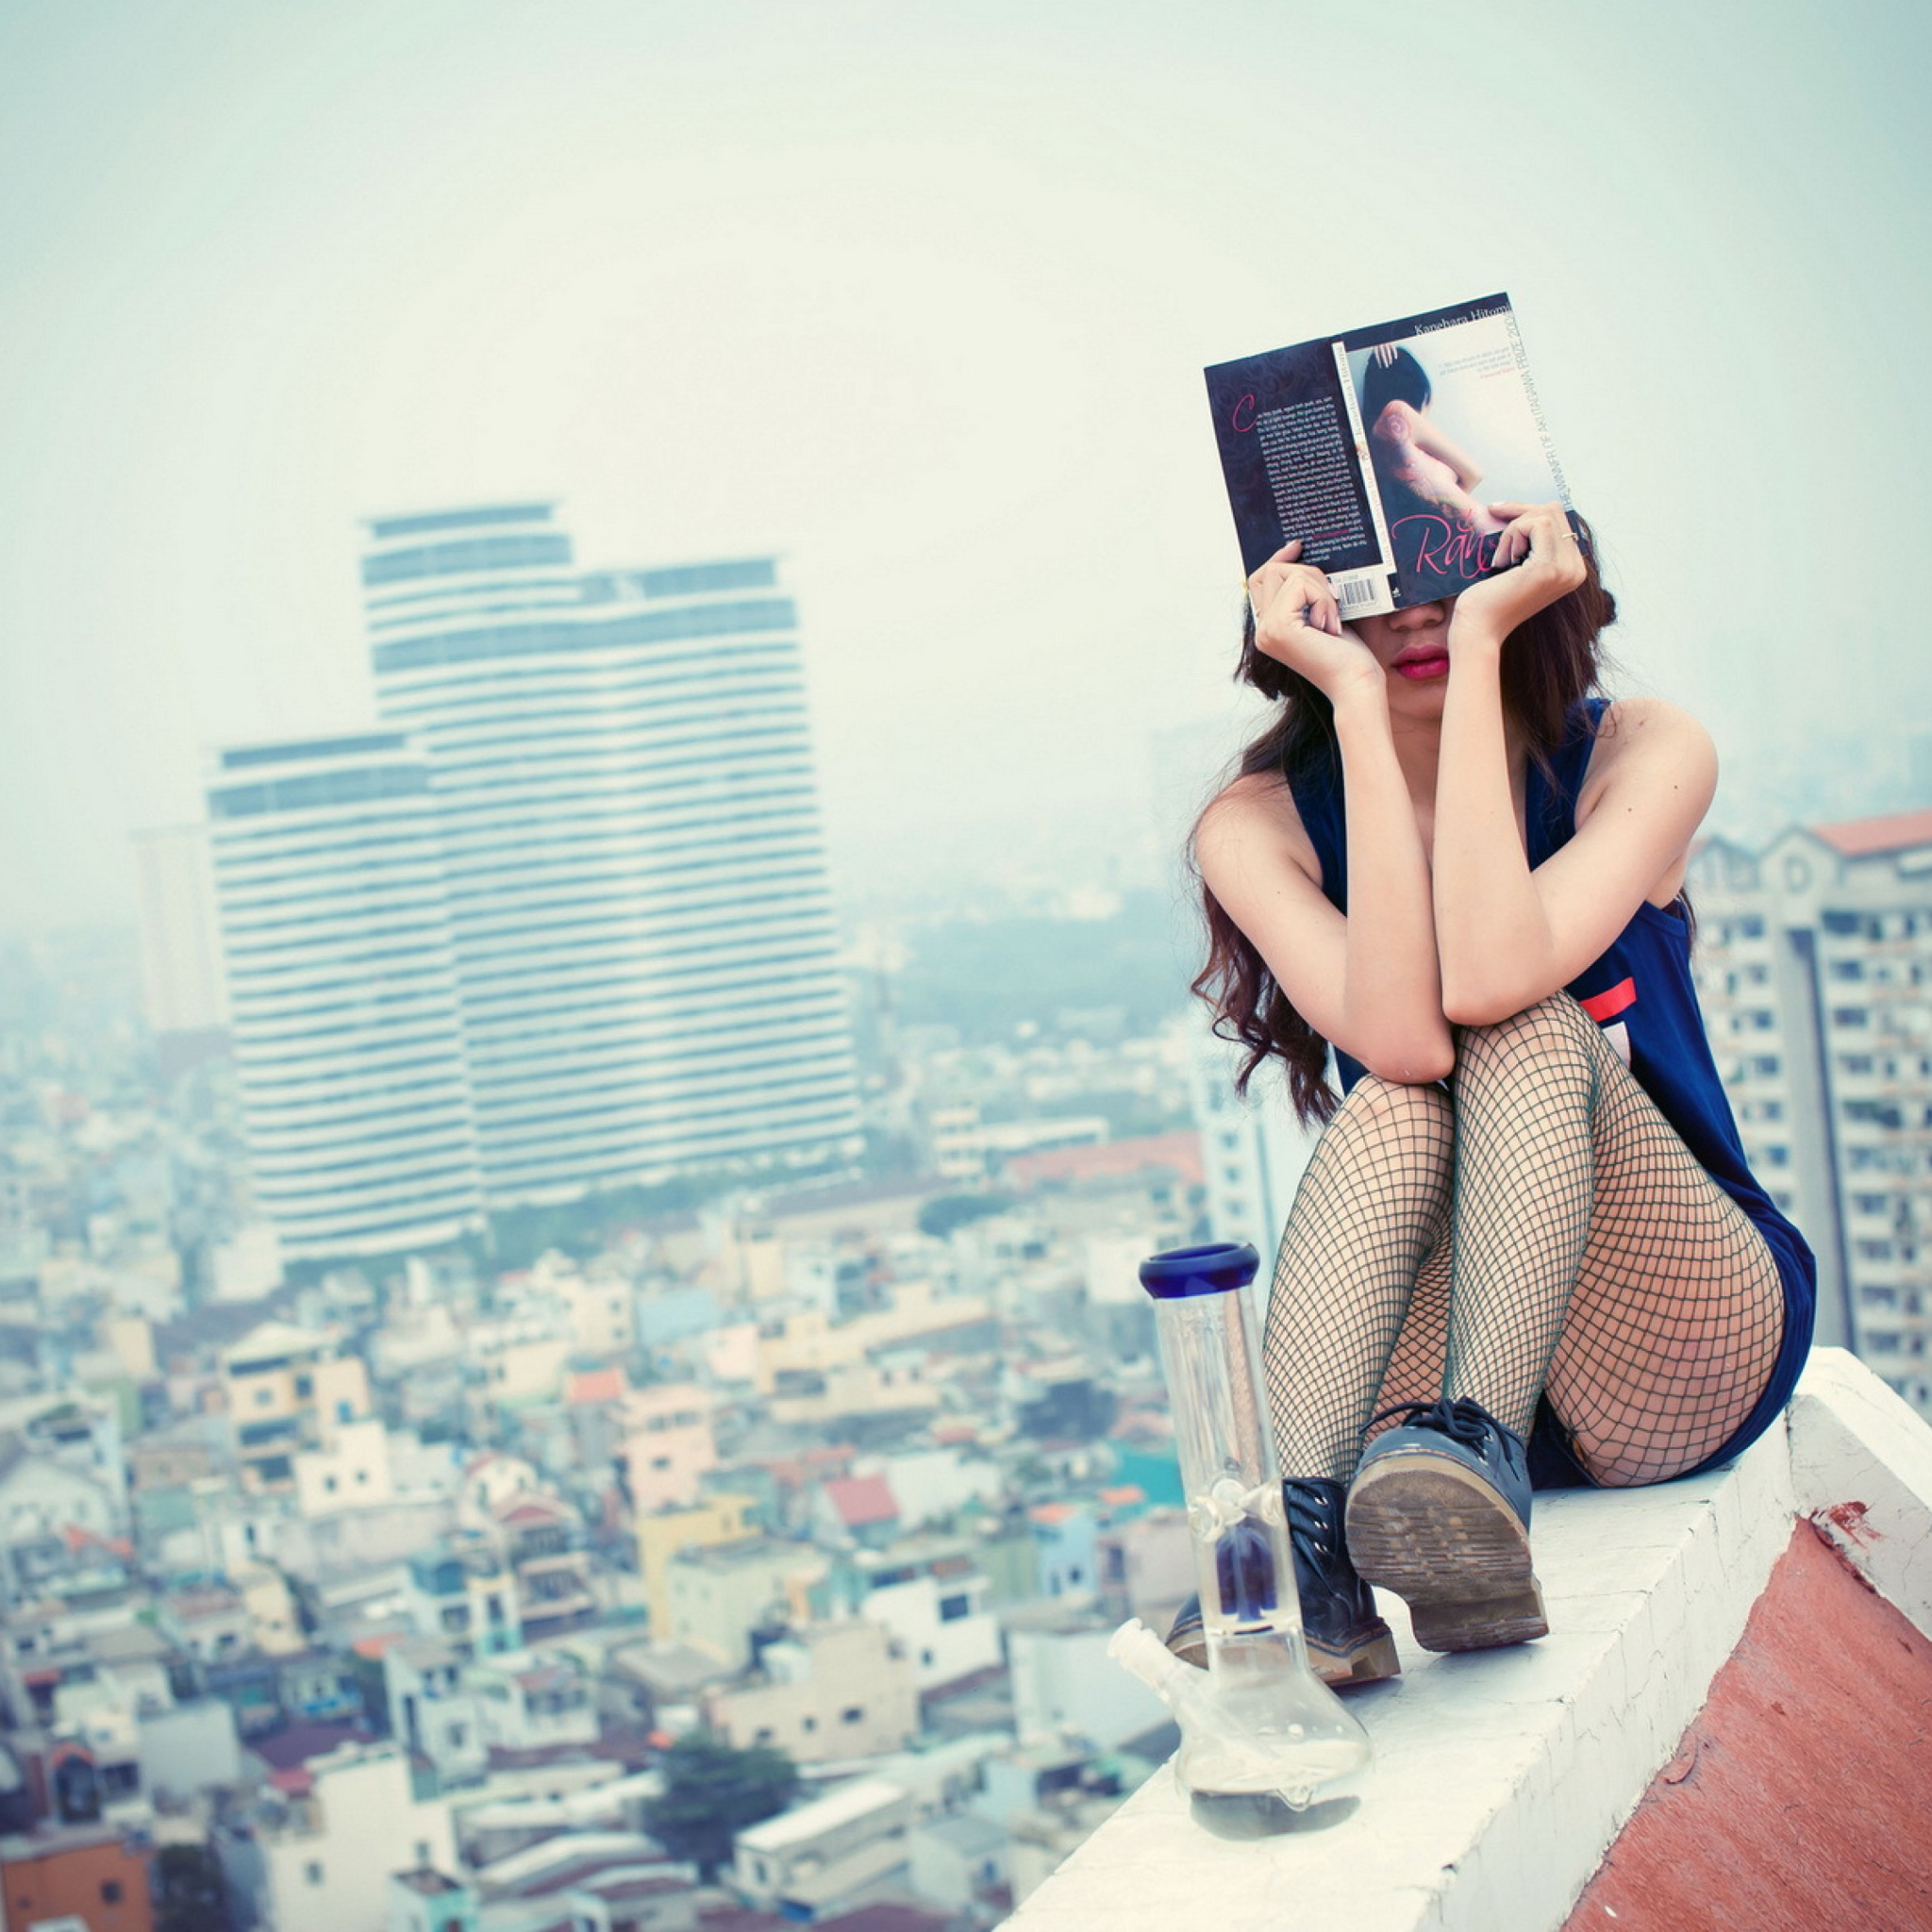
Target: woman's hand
{"x": 1548, "y": 560}
{"x": 1298, "y": 623}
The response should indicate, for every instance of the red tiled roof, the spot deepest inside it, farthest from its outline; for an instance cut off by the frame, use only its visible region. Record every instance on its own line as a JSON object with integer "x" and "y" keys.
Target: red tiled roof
{"x": 1180, "y": 1151}
{"x": 861, "y": 1499}
{"x": 596, "y": 1385}
{"x": 1863, "y": 837}
{"x": 529, "y": 1506}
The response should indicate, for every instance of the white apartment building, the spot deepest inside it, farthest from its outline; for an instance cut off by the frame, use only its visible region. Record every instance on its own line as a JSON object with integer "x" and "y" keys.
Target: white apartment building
{"x": 828, "y": 1855}
{"x": 1814, "y": 968}
{"x": 336, "y": 938}
{"x": 324, "y": 1865}
{"x": 642, "y": 921}
{"x": 1253, "y": 1150}
{"x": 931, "y": 1594}
{"x": 181, "y": 987}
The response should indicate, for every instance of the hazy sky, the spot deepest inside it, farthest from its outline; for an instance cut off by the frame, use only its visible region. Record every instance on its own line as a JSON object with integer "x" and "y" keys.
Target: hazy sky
{"x": 918, "y": 297}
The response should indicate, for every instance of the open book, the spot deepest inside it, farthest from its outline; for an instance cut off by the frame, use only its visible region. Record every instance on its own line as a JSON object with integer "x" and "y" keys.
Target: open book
{"x": 1382, "y": 450}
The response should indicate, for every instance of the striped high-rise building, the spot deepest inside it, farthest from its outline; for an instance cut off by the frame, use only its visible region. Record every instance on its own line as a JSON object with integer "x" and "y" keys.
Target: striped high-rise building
{"x": 1814, "y": 965}
{"x": 342, "y": 984}
{"x": 641, "y": 913}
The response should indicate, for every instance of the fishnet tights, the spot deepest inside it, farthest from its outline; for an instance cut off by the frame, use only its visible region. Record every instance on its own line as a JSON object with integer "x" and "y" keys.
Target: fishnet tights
{"x": 1540, "y": 1229}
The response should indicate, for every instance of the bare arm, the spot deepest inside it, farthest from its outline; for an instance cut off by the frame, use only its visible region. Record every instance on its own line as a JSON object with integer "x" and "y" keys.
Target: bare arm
{"x": 1369, "y": 982}
{"x": 1508, "y": 936}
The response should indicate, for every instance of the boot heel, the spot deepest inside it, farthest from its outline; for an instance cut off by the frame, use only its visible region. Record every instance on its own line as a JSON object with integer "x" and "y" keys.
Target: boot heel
{"x": 1367, "y": 1661}
{"x": 1482, "y": 1623}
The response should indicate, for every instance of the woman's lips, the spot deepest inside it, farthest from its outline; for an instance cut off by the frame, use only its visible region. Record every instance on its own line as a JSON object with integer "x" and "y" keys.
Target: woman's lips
{"x": 1423, "y": 666}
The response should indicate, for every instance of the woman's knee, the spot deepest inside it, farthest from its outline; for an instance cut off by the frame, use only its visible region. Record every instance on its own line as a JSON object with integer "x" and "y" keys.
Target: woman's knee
{"x": 1391, "y": 1132}
{"x": 1553, "y": 1033}
{"x": 1377, "y": 1107}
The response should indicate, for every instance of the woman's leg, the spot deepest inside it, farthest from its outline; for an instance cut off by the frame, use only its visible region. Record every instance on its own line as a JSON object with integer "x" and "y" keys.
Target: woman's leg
{"x": 1591, "y": 1254}
{"x": 1374, "y": 1202}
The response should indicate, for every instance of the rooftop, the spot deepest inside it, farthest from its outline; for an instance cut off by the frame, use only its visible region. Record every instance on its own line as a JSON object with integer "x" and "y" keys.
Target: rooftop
{"x": 1867, "y": 838}
{"x": 1503, "y": 1777}
{"x": 847, "y": 1804}
{"x": 861, "y": 1500}
{"x": 428, "y": 1882}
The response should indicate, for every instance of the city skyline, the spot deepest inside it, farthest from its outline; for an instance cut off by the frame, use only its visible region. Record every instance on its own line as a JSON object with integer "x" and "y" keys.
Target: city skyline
{"x": 920, "y": 305}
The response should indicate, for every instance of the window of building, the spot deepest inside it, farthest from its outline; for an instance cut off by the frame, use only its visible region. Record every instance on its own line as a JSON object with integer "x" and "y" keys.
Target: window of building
{"x": 809, "y": 1723}
{"x": 852, "y": 1714}
{"x": 1851, "y": 1016}
{"x": 925, "y": 1659}
{"x": 422, "y": 1851}
{"x": 953, "y": 1608}
{"x": 328, "y": 1482}
{"x": 263, "y": 1397}
{"x": 110, "y": 1891}
{"x": 763, "y": 1734}
{"x": 312, "y": 1872}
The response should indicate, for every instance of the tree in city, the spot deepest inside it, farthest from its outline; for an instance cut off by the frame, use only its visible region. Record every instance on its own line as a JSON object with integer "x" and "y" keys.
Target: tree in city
{"x": 941, "y": 1215}
{"x": 712, "y": 1791}
{"x": 189, "y": 1892}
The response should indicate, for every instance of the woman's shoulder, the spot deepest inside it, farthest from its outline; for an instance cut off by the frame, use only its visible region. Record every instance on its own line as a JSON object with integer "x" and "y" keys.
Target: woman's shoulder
{"x": 1253, "y": 818}
{"x": 1649, "y": 727}
{"x": 1648, "y": 740}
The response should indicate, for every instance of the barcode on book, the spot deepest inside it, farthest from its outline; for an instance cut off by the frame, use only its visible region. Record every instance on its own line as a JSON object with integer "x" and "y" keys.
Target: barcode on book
{"x": 1353, "y": 590}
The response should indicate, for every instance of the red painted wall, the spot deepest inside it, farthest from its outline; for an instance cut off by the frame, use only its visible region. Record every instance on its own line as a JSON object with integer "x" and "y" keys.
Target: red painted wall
{"x": 74, "y": 1878}
{"x": 1801, "y": 1797}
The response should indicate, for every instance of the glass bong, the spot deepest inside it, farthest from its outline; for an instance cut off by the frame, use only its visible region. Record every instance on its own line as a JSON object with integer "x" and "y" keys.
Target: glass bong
{"x": 1257, "y": 1720}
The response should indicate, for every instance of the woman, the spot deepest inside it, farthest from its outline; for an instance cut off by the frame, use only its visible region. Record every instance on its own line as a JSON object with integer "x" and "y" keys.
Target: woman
{"x": 1527, "y": 1230}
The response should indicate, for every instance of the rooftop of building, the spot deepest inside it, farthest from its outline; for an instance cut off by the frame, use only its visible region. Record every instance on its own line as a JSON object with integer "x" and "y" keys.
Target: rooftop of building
{"x": 847, "y": 1804}
{"x": 746, "y": 1553}
{"x": 861, "y": 1501}
{"x": 1870, "y": 838}
{"x": 429, "y": 1883}
{"x": 1715, "y": 1644}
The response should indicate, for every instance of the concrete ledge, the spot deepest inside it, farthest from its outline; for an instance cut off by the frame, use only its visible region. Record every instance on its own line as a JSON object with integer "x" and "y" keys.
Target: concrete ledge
{"x": 1501, "y": 1779}
{"x": 1861, "y": 1459}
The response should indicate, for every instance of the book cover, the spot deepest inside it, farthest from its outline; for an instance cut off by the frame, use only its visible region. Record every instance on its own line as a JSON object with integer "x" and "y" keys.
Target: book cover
{"x": 1382, "y": 450}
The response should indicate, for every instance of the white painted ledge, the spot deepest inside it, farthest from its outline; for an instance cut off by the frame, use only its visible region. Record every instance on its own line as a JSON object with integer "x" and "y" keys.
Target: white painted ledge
{"x": 1501, "y": 1777}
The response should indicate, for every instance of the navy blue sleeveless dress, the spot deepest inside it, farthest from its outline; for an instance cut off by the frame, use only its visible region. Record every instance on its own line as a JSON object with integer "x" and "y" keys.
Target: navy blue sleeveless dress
{"x": 1641, "y": 992}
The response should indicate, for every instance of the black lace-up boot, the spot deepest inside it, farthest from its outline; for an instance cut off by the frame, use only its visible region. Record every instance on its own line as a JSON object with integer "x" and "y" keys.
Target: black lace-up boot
{"x": 1348, "y": 1643}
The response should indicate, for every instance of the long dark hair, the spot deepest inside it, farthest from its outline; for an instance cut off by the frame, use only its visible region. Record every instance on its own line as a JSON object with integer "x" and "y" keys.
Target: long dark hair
{"x": 1549, "y": 663}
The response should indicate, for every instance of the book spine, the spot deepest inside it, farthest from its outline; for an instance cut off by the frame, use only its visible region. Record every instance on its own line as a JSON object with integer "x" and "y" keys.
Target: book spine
{"x": 1535, "y": 401}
